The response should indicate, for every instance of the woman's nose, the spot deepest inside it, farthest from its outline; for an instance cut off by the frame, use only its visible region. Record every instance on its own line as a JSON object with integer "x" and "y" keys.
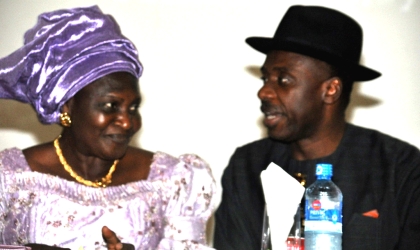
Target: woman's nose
{"x": 125, "y": 120}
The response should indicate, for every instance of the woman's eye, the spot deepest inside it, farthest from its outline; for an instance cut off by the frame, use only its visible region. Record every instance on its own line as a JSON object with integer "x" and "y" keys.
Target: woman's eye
{"x": 134, "y": 108}
{"x": 109, "y": 106}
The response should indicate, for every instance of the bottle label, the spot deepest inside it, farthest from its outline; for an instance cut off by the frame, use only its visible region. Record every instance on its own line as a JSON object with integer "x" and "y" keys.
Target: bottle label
{"x": 324, "y": 215}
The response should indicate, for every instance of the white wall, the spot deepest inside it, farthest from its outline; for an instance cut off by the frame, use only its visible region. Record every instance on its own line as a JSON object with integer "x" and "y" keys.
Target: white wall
{"x": 199, "y": 90}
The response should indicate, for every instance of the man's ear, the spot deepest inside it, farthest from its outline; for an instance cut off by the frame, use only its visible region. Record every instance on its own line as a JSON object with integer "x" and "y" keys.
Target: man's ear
{"x": 332, "y": 90}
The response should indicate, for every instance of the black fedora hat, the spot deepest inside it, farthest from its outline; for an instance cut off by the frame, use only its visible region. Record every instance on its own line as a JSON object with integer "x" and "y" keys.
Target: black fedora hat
{"x": 321, "y": 33}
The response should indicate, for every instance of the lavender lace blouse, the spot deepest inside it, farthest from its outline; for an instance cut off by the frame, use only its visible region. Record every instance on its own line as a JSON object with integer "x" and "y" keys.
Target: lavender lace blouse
{"x": 169, "y": 210}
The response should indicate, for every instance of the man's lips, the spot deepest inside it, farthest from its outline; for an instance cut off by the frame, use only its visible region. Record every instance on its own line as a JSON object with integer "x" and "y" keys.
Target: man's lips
{"x": 272, "y": 119}
{"x": 272, "y": 115}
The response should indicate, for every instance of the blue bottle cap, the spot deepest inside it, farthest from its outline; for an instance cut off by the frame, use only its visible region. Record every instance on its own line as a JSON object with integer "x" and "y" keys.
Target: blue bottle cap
{"x": 324, "y": 169}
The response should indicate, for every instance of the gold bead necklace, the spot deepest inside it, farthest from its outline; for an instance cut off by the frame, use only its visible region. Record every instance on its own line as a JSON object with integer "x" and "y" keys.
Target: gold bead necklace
{"x": 105, "y": 181}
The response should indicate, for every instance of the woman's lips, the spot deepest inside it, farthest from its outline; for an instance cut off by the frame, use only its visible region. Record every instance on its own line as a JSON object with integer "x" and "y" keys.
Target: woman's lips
{"x": 119, "y": 138}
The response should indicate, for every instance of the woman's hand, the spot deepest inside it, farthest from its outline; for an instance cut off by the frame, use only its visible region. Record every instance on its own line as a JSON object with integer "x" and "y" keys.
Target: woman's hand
{"x": 112, "y": 241}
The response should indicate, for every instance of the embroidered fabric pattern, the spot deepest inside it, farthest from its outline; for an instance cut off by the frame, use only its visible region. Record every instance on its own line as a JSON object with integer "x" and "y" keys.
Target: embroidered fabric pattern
{"x": 167, "y": 209}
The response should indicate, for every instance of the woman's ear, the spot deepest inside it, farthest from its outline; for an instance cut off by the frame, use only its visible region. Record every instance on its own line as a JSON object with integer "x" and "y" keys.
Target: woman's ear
{"x": 332, "y": 90}
{"x": 67, "y": 106}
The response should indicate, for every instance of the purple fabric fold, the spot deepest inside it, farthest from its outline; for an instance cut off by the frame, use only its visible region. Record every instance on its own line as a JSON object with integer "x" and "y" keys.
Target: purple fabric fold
{"x": 65, "y": 51}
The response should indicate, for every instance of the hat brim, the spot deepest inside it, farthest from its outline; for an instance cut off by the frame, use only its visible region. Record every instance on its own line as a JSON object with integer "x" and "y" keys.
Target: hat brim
{"x": 358, "y": 72}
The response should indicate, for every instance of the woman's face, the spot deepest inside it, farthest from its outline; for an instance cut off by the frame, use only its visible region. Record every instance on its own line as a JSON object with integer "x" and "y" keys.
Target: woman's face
{"x": 105, "y": 116}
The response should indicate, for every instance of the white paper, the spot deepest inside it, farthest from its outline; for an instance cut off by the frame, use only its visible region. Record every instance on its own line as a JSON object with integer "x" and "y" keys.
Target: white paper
{"x": 282, "y": 193}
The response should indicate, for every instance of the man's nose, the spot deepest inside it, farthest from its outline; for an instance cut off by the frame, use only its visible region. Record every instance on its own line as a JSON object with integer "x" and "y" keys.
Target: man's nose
{"x": 266, "y": 92}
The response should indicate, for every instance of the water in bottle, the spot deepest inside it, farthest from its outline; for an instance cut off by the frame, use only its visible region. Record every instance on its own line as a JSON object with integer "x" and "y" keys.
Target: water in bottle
{"x": 323, "y": 217}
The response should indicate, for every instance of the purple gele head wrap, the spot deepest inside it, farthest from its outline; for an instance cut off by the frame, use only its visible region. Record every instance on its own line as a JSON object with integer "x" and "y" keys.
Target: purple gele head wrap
{"x": 64, "y": 52}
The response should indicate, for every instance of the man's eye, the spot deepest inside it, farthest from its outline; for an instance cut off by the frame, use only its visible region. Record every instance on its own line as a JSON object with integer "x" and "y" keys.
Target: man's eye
{"x": 283, "y": 81}
{"x": 264, "y": 79}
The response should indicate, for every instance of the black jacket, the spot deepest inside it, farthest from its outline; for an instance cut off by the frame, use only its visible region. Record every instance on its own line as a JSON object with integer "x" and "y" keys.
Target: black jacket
{"x": 373, "y": 170}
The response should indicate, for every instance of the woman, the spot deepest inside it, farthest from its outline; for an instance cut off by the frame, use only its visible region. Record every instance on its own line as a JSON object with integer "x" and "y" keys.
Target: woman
{"x": 77, "y": 69}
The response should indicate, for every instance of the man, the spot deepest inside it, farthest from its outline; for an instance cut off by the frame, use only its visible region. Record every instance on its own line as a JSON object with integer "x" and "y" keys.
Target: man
{"x": 311, "y": 64}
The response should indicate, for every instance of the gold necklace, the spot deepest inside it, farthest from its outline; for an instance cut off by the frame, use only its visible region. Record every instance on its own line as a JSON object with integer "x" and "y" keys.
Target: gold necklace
{"x": 105, "y": 181}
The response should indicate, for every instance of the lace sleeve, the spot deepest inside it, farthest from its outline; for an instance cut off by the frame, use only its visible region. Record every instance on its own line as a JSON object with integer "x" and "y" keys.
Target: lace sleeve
{"x": 3, "y": 198}
{"x": 190, "y": 203}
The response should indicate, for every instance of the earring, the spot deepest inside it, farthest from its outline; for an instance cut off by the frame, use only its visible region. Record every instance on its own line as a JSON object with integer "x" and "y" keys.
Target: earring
{"x": 65, "y": 119}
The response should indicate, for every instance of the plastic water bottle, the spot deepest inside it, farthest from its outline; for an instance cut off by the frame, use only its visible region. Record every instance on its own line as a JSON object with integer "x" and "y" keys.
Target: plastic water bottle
{"x": 323, "y": 217}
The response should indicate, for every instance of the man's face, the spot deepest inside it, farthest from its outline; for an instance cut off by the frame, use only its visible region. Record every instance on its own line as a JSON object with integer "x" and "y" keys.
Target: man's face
{"x": 292, "y": 96}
